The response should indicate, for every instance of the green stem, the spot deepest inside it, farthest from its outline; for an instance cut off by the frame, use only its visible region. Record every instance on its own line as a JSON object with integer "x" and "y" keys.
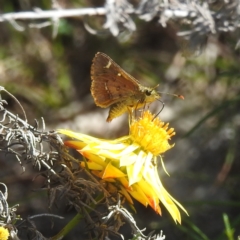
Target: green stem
{"x": 68, "y": 227}
{"x": 75, "y": 220}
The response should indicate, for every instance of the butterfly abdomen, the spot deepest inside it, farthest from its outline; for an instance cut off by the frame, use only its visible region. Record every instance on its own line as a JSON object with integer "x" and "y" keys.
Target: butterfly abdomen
{"x": 117, "y": 110}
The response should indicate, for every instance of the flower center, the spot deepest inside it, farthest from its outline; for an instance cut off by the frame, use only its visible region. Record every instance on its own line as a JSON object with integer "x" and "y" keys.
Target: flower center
{"x": 151, "y": 134}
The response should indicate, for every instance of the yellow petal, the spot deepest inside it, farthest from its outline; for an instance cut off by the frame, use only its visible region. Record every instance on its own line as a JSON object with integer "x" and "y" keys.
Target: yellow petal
{"x": 163, "y": 165}
{"x": 138, "y": 194}
{"x": 91, "y": 166}
{"x": 75, "y": 144}
{"x": 152, "y": 198}
{"x": 148, "y": 158}
{"x": 167, "y": 200}
{"x": 112, "y": 172}
{"x": 129, "y": 148}
{"x": 113, "y": 155}
{"x": 93, "y": 158}
{"x": 79, "y": 136}
{"x": 124, "y": 181}
{"x": 133, "y": 178}
{"x": 127, "y": 160}
{"x": 126, "y": 194}
{"x": 111, "y": 147}
{"x": 137, "y": 167}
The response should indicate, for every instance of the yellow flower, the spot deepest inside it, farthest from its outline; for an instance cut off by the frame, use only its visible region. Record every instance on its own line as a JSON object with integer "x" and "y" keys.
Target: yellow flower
{"x": 132, "y": 161}
{"x": 4, "y": 233}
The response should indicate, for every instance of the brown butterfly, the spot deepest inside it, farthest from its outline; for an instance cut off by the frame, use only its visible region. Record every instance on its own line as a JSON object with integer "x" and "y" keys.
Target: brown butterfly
{"x": 112, "y": 86}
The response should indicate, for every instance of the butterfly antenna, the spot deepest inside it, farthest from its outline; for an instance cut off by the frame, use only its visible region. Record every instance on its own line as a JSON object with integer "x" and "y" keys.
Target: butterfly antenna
{"x": 172, "y": 94}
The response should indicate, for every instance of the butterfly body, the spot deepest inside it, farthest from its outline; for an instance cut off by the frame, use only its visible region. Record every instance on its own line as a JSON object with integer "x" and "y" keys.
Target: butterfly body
{"x": 112, "y": 86}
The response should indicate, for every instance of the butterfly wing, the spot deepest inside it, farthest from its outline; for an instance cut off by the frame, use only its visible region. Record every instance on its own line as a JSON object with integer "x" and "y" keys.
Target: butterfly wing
{"x": 110, "y": 83}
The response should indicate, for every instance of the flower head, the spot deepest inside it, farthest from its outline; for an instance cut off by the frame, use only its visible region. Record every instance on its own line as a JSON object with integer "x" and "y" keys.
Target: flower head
{"x": 131, "y": 161}
{"x": 151, "y": 134}
{"x": 4, "y": 233}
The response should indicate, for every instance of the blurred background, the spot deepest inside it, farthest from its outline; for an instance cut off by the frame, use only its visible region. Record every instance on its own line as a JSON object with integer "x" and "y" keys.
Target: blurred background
{"x": 50, "y": 76}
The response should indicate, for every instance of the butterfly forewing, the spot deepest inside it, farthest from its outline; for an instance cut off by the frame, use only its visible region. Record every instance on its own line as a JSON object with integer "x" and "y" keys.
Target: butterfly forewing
{"x": 110, "y": 83}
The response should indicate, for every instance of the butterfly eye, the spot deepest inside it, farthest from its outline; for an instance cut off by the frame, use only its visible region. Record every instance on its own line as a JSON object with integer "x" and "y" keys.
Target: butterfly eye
{"x": 148, "y": 93}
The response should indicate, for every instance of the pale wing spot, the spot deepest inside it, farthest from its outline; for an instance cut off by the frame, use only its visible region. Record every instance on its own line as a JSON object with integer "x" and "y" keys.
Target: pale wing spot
{"x": 108, "y": 64}
{"x": 119, "y": 74}
{"x": 107, "y": 90}
{"x": 106, "y": 87}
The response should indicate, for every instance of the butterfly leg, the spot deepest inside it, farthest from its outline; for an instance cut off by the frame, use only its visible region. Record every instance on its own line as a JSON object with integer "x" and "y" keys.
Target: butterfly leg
{"x": 130, "y": 112}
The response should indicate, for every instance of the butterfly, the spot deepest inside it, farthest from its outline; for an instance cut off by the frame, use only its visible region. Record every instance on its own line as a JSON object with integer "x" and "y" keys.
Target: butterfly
{"x": 112, "y": 87}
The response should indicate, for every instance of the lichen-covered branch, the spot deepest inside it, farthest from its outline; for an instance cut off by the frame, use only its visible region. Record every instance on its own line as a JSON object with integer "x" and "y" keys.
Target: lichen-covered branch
{"x": 201, "y": 18}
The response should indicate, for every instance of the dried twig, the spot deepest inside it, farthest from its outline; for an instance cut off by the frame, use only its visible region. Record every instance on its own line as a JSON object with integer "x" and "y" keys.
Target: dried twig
{"x": 202, "y": 18}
